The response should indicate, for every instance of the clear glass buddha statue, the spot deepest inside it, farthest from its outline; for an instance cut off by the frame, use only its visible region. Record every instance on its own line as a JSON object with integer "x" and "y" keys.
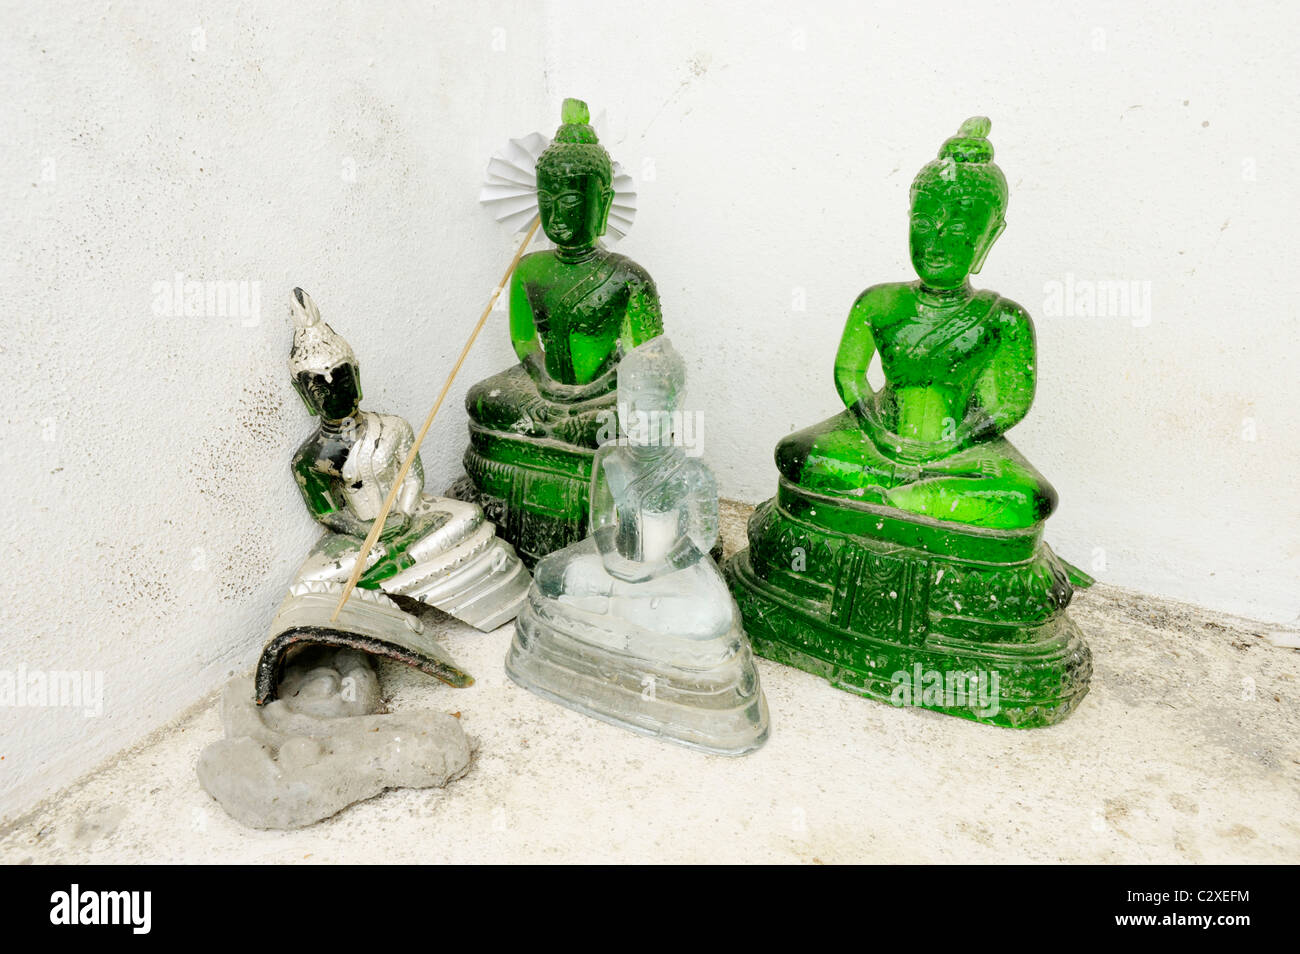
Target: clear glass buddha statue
{"x": 574, "y": 311}
{"x": 439, "y": 551}
{"x": 634, "y": 624}
{"x": 907, "y": 530}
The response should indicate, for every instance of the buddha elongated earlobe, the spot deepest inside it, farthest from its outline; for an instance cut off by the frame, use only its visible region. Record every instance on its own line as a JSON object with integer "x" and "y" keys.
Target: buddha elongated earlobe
{"x": 606, "y": 203}
{"x": 988, "y": 244}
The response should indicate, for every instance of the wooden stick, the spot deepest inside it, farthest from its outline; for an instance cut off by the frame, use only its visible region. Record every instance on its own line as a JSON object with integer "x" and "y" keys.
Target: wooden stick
{"x": 378, "y": 525}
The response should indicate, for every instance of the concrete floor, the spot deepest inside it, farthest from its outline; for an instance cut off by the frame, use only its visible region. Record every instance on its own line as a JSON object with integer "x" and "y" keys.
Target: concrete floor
{"x": 1187, "y": 749}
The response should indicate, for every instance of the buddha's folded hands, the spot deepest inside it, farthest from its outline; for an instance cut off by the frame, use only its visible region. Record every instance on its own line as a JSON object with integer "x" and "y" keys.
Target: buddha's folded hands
{"x": 559, "y": 392}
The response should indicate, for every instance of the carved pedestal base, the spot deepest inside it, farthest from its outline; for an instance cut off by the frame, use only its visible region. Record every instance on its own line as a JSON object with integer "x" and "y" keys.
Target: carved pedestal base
{"x": 665, "y": 656}
{"x": 534, "y": 490}
{"x": 962, "y": 620}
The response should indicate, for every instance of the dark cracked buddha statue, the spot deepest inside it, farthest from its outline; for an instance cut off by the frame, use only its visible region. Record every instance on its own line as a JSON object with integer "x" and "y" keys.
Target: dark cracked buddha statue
{"x": 574, "y": 311}
{"x": 902, "y": 557}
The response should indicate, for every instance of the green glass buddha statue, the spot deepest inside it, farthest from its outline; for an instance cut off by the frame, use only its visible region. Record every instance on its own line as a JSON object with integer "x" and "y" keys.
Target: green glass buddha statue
{"x": 902, "y": 557}
{"x": 574, "y": 311}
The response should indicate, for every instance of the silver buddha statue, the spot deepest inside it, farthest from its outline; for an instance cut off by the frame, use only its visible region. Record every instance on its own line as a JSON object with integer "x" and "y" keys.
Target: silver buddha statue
{"x": 434, "y": 550}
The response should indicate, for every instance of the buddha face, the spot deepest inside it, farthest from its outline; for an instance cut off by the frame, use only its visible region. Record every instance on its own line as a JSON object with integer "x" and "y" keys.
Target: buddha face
{"x": 650, "y": 383}
{"x": 333, "y": 396}
{"x": 648, "y": 418}
{"x": 573, "y": 208}
{"x": 951, "y": 233}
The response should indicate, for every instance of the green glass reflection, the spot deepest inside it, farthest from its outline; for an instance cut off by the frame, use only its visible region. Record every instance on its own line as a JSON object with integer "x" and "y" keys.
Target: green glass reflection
{"x": 907, "y": 529}
{"x": 574, "y": 311}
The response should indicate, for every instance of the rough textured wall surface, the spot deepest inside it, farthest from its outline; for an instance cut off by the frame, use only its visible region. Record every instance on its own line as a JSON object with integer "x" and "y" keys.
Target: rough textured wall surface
{"x": 1141, "y": 145}
{"x": 151, "y": 525}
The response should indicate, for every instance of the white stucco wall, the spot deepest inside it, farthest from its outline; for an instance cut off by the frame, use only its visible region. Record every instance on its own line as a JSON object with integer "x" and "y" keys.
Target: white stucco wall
{"x": 150, "y": 522}
{"x": 1143, "y": 143}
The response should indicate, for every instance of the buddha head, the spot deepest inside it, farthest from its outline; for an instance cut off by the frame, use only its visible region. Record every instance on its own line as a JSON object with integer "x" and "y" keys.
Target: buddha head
{"x": 651, "y": 378}
{"x": 324, "y": 369}
{"x": 958, "y": 204}
{"x": 574, "y": 177}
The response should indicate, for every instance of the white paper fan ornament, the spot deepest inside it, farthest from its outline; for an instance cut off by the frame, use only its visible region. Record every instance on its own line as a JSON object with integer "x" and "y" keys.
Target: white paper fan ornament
{"x": 510, "y": 186}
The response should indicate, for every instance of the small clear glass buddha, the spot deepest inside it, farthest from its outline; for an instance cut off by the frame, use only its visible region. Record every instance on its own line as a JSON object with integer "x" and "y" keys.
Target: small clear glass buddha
{"x": 634, "y": 624}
